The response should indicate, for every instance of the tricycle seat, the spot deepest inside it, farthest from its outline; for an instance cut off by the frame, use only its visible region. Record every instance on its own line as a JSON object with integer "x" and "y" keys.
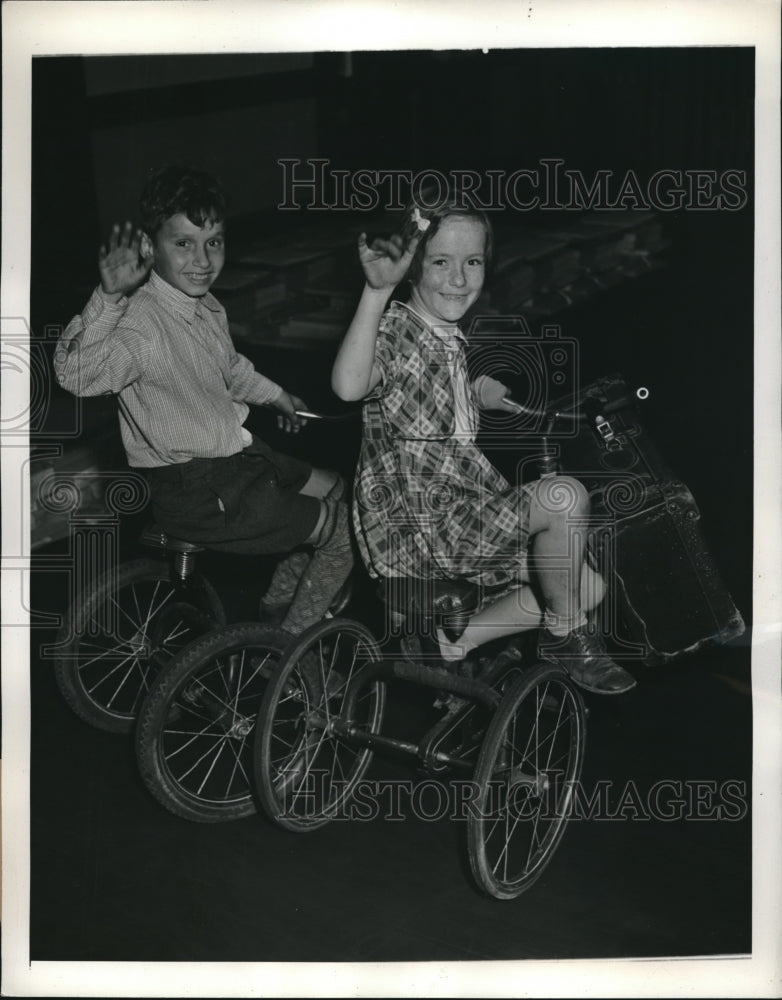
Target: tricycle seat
{"x": 407, "y": 596}
{"x": 155, "y": 536}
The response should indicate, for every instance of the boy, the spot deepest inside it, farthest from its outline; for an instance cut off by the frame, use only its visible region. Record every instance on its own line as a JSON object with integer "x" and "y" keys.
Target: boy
{"x": 154, "y": 335}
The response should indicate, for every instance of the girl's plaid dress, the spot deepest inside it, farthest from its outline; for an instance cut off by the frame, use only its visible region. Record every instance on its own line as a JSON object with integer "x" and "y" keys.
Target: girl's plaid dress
{"x": 428, "y": 503}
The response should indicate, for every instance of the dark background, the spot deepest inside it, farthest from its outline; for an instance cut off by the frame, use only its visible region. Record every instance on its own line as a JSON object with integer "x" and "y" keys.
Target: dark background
{"x": 100, "y": 123}
{"x": 113, "y": 877}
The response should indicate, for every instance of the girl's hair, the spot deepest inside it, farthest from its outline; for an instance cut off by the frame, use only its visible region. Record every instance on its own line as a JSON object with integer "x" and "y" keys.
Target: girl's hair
{"x": 432, "y": 206}
{"x": 174, "y": 190}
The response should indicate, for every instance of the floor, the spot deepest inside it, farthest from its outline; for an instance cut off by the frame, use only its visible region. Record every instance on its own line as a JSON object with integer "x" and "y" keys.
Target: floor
{"x": 117, "y": 878}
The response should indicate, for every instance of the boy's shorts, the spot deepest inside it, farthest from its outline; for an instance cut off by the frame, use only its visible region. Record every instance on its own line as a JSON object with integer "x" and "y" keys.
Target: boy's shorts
{"x": 248, "y": 503}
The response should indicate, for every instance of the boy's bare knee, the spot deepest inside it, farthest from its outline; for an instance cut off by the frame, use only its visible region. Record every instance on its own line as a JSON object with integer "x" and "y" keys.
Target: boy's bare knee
{"x": 316, "y": 531}
{"x": 332, "y": 532}
{"x": 320, "y": 483}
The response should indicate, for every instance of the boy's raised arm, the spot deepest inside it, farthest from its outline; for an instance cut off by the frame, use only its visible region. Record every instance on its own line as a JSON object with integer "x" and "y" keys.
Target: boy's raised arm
{"x": 93, "y": 354}
{"x": 385, "y": 263}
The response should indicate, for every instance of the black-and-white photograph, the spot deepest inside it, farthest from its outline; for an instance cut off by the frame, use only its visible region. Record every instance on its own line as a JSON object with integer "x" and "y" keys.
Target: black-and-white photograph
{"x": 390, "y": 491}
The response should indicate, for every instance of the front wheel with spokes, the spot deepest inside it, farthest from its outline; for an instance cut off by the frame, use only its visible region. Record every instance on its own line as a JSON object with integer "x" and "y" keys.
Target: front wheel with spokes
{"x": 308, "y": 753}
{"x": 530, "y": 761}
{"x": 194, "y": 735}
{"x": 119, "y": 633}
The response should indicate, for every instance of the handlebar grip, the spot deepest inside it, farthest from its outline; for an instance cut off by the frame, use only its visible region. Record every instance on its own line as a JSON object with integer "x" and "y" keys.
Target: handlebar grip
{"x": 616, "y": 404}
{"x": 311, "y": 415}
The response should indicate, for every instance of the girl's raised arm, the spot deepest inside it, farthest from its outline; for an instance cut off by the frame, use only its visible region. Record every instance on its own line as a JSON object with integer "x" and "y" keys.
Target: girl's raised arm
{"x": 385, "y": 263}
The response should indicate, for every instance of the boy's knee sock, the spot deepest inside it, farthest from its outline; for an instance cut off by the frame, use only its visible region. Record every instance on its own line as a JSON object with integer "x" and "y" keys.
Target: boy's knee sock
{"x": 290, "y": 569}
{"x": 285, "y": 580}
{"x": 328, "y": 569}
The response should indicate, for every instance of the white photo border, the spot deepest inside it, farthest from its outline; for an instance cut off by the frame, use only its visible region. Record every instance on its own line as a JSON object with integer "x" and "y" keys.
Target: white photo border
{"x": 72, "y": 27}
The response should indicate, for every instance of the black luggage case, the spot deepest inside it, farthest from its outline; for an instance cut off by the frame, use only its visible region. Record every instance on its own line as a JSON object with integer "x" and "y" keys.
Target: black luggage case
{"x": 666, "y": 596}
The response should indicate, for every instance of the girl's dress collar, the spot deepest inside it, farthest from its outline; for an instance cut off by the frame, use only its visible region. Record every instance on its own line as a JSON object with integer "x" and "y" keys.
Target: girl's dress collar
{"x": 439, "y": 329}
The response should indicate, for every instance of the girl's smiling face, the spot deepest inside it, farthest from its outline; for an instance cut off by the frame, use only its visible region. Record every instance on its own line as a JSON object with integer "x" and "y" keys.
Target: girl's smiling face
{"x": 452, "y": 269}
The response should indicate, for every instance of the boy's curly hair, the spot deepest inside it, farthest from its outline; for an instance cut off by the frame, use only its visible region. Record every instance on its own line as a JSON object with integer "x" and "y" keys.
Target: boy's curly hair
{"x": 174, "y": 190}
{"x": 431, "y": 206}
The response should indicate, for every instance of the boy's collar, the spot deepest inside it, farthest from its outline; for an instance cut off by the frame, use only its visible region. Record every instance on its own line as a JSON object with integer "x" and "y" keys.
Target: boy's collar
{"x": 185, "y": 305}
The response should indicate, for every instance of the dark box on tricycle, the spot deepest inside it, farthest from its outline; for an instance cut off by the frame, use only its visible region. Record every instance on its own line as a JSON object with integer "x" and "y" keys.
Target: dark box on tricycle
{"x": 666, "y": 596}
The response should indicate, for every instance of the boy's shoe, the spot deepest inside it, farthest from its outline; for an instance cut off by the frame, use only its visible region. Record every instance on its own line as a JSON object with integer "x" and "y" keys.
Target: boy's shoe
{"x": 582, "y": 654}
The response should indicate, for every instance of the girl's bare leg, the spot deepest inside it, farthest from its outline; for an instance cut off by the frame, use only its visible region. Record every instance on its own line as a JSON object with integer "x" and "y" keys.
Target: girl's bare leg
{"x": 515, "y": 612}
{"x": 559, "y": 512}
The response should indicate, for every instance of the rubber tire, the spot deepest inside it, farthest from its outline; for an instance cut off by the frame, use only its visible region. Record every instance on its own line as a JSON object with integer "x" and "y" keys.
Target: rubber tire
{"x": 168, "y": 710}
{"x": 69, "y": 671}
{"x": 551, "y": 683}
{"x": 294, "y": 709}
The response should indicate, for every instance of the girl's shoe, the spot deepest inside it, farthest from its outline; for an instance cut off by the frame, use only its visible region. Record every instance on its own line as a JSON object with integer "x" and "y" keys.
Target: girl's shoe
{"x": 582, "y": 654}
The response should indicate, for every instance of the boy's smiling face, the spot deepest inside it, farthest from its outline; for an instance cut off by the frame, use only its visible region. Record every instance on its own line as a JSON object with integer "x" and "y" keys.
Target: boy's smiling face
{"x": 187, "y": 256}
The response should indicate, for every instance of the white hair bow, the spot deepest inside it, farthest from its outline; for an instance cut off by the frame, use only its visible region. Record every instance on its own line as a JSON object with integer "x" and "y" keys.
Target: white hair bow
{"x": 423, "y": 224}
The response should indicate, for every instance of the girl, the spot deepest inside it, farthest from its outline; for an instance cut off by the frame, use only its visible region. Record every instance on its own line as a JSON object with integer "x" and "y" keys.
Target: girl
{"x": 427, "y": 500}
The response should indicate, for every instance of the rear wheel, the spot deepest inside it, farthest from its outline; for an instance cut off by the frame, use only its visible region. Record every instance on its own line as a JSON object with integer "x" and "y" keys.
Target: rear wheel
{"x": 530, "y": 760}
{"x": 194, "y": 736}
{"x": 121, "y": 631}
{"x": 306, "y": 766}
